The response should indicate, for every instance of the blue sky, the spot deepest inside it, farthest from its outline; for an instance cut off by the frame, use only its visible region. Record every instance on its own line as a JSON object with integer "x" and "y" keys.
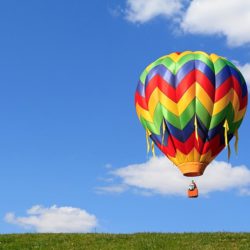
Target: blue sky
{"x": 68, "y": 74}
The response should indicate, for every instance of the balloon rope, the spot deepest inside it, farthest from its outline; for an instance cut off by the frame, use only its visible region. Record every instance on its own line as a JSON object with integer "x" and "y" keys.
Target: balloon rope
{"x": 226, "y": 139}
{"x": 163, "y": 131}
{"x": 236, "y": 141}
{"x": 225, "y": 132}
{"x": 147, "y": 140}
{"x": 196, "y": 128}
{"x": 228, "y": 152}
{"x": 153, "y": 148}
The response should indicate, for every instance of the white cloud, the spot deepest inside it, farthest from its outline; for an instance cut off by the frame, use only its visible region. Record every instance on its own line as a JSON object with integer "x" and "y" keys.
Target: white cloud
{"x": 54, "y": 219}
{"x": 159, "y": 176}
{"x": 140, "y": 11}
{"x": 108, "y": 166}
{"x": 245, "y": 70}
{"x": 111, "y": 189}
{"x": 245, "y": 191}
{"x": 229, "y": 18}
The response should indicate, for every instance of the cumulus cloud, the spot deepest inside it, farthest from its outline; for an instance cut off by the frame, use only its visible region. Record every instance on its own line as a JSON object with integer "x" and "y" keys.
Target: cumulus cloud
{"x": 245, "y": 70}
{"x": 229, "y": 18}
{"x": 54, "y": 219}
{"x": 140, "y": 11}
{"x": 159, "y": 176}
{"x": 226, "y": 17}
{"x": 111, "y": 189}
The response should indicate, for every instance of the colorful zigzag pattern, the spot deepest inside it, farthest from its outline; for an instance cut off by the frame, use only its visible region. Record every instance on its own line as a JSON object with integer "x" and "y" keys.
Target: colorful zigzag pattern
{"x": 190, "y": 103}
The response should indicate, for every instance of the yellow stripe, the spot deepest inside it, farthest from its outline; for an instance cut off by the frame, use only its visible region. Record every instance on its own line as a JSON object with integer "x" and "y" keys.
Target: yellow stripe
{"x": 178, "y": 108}
{"x": 240, "y": 114}
{"x": 186, "y": 99}
{"x": 207, "y": 157}
{"x": 156, "y": 97}
{"x": 193, "y": 156}
{"x": 222, "y": 103}
{"x": 143, "y": 112}
{"x": 204, "y": 98}
{"x": 235, "y": 102}
{"x": 214, "y": 57}
{"x": 175, "y": 57}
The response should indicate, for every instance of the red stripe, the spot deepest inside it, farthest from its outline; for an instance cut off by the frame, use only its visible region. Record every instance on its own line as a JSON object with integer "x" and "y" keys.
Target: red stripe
{"x": 238, "y": 89}
{"x": 223, "y": 89}
{"x": 152, "y": 84}
{"x": 140, "y": 100}
{"x": 185, "y": 84}
{"x": 165, "y": 87}
{"x": 244, "y": 102}
{"x": 205, "y": 83}
{"x": 186, "y": 147}
{"x": 176, "y": 94}
{"x": 190, "y": 78}
{"x": 237, "y": 86}
{"x": 214, "y": 145}
{"x": 168, "y": 150}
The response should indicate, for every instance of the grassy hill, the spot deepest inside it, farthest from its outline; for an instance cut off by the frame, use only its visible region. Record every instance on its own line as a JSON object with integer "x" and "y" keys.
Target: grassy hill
{"x": 138, "y": 241}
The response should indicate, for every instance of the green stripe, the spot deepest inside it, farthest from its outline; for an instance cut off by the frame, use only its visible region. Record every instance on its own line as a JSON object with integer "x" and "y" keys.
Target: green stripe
{"x": 203, "y": 114}
{"x": 174, "y": 67}
{"x": 181, "y": 121}
{"x": 148, "y": 125}
{"x": 169, "y": 64}
{"x": 143, "y": 76}
{"x": 219, "y": 65}
{"x": 226, "y": 113}
{"x": 191, "y": 57}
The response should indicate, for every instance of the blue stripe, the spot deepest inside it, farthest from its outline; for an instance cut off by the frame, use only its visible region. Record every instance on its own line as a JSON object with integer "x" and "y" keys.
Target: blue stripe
{"x": 173, "y": 79}
{"x": 184, "y": 134}
{"x": 192, "y": 65}
{"x": 158, "y": 138}
{"x": 141, "y": 89}
{"x": 161, "y": 70}
{"x": 227, "y": 72}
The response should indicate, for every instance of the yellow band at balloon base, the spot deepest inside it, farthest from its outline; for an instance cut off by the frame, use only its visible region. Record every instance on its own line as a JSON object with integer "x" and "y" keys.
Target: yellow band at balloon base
{"x": 192, "y": 168}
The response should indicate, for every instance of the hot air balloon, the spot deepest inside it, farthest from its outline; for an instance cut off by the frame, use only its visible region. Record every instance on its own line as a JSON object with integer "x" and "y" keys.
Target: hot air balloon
{"x": 191, "y": 105}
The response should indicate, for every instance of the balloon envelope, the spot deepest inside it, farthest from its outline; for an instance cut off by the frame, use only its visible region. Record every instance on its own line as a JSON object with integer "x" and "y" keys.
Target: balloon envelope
{"x": 191, "y": 105}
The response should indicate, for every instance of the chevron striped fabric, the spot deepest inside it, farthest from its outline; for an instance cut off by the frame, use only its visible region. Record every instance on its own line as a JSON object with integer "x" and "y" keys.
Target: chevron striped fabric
{"x": 191, "y": 104}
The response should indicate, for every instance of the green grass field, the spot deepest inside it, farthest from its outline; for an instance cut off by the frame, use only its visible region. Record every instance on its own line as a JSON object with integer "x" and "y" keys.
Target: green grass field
{"x": 138, "y": 241}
